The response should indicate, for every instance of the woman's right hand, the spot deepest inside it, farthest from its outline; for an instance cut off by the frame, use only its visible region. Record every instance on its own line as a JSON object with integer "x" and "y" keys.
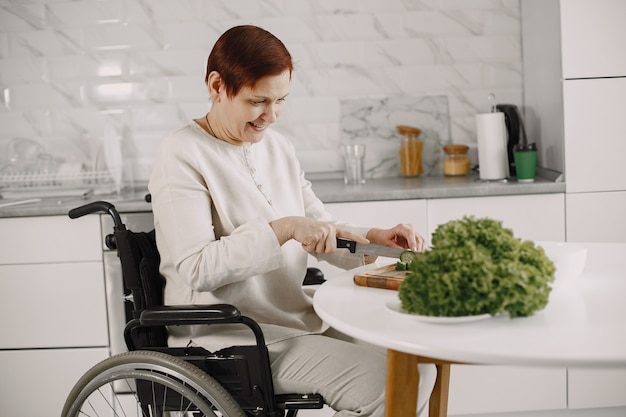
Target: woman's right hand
{"x": 314, "y": 235}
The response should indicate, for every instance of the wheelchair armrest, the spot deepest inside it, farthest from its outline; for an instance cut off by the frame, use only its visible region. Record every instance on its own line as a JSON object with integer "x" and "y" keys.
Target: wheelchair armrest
{"x": 193, "y": 315}
{"x": 314, "y": 276}
{"x": 190, "y": 314}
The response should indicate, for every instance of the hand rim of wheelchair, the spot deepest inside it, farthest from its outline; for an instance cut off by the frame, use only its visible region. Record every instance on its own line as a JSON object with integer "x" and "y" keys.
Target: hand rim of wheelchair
{"x": 195, "y": 385}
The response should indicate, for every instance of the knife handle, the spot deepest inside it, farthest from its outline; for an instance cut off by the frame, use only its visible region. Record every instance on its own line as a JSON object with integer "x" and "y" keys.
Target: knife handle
{"x": 346, "y": 244}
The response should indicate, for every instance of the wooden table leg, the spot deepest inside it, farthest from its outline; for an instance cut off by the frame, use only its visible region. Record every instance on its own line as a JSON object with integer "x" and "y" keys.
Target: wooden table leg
{"x": 401, "y": 385}
{"x": 403, "y": 380}
{"x": 438, "y": 404}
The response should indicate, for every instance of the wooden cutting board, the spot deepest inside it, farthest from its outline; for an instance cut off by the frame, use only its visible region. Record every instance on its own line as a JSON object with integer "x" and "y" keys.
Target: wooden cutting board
{"x": 384, "y": 277}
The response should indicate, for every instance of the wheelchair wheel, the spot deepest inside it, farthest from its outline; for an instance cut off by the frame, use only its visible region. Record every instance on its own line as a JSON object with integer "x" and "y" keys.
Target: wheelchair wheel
{"x": 149, "y": 384}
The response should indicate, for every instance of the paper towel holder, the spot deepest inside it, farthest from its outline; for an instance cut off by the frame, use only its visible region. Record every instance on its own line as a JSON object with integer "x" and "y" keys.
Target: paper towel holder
{"x": 493, "y": 162}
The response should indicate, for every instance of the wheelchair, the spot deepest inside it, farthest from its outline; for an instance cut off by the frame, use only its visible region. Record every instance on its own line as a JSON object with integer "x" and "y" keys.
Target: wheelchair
{"x": 162, "y": 381}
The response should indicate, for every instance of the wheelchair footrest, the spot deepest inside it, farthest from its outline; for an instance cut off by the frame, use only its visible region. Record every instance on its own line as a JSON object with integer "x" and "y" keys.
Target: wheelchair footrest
{"x": 300, "y": 401}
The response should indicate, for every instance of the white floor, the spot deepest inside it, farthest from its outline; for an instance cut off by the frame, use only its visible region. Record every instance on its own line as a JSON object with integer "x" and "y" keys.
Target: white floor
{"x": 590, "y": 412}
{"x": 324, "y": 412}
{"x": 594, "y": 412}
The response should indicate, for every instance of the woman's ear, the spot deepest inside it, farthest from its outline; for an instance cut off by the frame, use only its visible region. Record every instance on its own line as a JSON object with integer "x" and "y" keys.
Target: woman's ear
{"x": 215, "y": 86}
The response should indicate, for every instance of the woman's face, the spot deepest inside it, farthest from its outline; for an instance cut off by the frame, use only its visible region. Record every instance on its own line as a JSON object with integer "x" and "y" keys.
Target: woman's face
{"x": 244, "y": 117}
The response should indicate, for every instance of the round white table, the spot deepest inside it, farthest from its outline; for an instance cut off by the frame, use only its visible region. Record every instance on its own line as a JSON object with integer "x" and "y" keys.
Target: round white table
{"x": 584, "y": 324}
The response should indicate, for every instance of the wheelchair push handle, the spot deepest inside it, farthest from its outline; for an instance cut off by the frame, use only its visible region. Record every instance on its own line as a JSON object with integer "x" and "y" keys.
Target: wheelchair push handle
{"x": 98, "y": 207}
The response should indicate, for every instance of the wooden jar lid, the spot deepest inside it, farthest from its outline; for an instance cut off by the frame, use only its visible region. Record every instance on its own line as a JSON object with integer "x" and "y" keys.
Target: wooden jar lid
{"x": 404, "y": 130}
{"x": 455, "y": 149}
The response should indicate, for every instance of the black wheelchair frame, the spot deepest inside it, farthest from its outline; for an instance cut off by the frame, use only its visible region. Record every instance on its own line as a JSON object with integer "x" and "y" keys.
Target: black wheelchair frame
{"x": 239, "y": 376}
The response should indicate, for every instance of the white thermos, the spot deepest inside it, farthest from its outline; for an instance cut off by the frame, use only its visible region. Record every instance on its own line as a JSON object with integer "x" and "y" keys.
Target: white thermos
{"x": 493, "y": 160}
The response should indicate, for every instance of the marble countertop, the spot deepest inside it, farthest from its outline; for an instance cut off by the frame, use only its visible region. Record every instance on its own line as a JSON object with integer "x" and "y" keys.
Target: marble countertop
{"x": 329, "y": 191}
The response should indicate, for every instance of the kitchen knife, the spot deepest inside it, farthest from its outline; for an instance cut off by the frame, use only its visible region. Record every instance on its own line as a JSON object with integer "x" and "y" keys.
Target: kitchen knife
{"x": 371, "y": 249}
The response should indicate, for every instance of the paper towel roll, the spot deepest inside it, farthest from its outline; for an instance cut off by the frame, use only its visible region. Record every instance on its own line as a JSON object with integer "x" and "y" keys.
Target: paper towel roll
{"x": 493, "y": 160}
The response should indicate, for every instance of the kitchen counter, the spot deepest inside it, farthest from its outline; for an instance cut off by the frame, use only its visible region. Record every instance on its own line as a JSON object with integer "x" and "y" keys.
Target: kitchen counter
{"x": 431, "y": 187}
{"x": 127, "y": 201}
{"x": 328, "y": 190}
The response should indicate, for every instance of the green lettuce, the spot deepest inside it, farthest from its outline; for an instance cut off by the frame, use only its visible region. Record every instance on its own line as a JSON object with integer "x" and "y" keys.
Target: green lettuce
{"x": 476, "y": 266}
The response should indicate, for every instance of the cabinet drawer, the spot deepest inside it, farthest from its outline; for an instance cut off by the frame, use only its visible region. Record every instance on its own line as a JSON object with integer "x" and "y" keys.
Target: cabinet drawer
{"x": 589, "y": 387}
{"x": 596, "y": 217}
{"x": 594, "y": 138}
{"x": 533, "y": 217}
{"x": 497, "y": 389}
{"x": 49, "y": 239}
{"x": 52, "y": 305}
{"x": 37, "y": 382}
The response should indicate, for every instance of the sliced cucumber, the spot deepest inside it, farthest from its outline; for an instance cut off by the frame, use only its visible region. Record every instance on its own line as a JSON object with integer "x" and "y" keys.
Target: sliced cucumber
{"x": 401, "y": 266}
{"x": 407, "y": 256}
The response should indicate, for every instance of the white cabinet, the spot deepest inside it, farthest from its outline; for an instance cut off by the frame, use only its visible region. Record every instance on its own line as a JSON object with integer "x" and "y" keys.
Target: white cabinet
{"x": 52, "y": 305}
{"x": 596, "y": 217}
{"x": 574, "y": 89}
{"x": 499, "y": 389}
{"x": 37, "y": 382}
{"x": 595, "y": 142}
{"x": 534, "y": 216}
{"x": 52, "y": 310}
{"x": 593, "y": 34}
{"x": 583, "y": 387}
{"x": 51, "y": 283}
{"x": 574, "y": 75}
{"x": 49, "y": 239}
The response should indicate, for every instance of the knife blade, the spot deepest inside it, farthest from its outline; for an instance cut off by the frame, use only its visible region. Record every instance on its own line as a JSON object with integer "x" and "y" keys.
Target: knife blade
{"x": 369, "y": 249}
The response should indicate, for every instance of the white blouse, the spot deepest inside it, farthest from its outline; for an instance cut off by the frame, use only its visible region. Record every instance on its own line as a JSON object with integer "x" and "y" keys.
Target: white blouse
{"x": 212, "y": 204}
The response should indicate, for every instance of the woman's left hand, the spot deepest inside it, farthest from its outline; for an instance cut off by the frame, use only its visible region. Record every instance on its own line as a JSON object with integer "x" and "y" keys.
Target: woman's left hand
{"x": 401, "y": 236}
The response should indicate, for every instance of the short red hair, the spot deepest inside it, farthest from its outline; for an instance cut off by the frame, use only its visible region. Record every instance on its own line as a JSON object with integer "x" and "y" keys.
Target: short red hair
{"x": 245, "y": 54}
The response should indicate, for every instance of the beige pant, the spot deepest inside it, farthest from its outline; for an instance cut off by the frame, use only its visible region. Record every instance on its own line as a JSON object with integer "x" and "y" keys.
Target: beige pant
{"x": 350, "y": 376}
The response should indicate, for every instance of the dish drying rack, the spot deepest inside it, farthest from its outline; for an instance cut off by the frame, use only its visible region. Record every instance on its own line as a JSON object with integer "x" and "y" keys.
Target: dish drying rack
{"x": 58, "y": 182}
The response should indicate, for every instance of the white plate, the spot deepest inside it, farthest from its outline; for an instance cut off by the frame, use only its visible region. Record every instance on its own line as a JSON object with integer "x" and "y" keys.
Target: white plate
{"x": 394, "y": 306}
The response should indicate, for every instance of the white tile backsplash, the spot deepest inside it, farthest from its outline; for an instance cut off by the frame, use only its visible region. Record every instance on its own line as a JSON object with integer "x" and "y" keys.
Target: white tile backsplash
{"x": 69, "y": 68}
{"x": 22, "y": 16}
{"x": 16, "y": 124}
{"x": 84, "y": 13}
{"x": 170, "y": 62}
{"x": 46, "y": 42}
{"x": 22, "y": 70}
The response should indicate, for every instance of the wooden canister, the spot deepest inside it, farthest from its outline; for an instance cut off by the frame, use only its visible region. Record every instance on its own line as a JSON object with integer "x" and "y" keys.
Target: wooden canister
{"x": 410, "y": 151}
{"x": 456, "y": 161}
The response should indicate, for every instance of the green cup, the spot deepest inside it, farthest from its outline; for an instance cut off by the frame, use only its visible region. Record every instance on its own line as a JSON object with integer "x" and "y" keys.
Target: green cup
{"x": 525, "y": 157}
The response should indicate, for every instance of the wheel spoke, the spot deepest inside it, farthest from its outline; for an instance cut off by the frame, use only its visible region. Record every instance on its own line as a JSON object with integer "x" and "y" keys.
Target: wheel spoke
{"x": 156, "y": 384}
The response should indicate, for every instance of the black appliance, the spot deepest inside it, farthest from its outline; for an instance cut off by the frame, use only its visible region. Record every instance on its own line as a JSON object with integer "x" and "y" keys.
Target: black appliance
{"x": 515, "y": 130}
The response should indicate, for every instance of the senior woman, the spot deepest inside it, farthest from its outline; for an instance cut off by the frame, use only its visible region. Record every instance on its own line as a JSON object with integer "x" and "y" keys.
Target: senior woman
{"x": 236, "y": 220}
